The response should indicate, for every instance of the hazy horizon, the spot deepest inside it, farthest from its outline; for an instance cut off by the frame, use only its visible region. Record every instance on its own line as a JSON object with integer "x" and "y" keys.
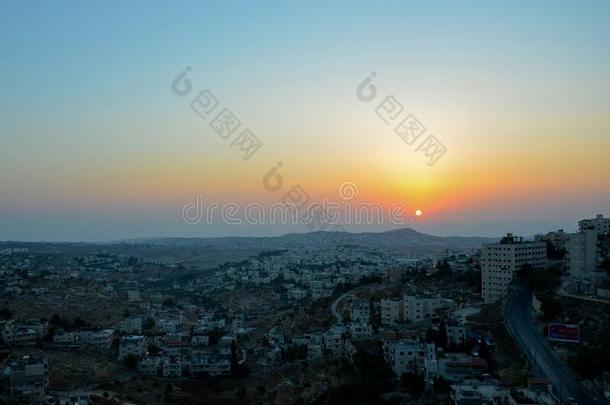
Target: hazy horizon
{"x": 525, "y": 229}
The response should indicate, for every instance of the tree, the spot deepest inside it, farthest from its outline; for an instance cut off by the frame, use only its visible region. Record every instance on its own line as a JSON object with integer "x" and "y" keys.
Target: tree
{"x": 551, "y": 307}
{"x": 441, "y": 386}
{"x": 5, "y": 314}
{"x": 441, "y": 337}
{"x": 444, "y": 269}
{"x": 148, "y": 324}
{"x": 114, "y": 346}
{"x": 414, "y": 383}
{"x": 484, "y": 349}
{"x": 56, "y": 320}
{"x": 431, "y": 336}
{"x": 241, "y": 392}
{"x": 130, "y": 361}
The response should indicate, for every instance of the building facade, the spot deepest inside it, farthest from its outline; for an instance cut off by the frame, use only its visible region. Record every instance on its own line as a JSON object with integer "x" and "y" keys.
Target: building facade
{"x": 500, "y": 261}
{"x": 599, "y": 223}
{"x": 582, "y": 253}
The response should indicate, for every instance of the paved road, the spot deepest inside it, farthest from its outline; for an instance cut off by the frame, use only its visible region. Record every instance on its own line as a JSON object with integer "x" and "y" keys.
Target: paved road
{"x": 534, "y": 345}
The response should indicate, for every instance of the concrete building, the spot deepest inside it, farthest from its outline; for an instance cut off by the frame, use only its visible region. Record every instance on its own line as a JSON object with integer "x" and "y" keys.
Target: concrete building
{"x": 172, "y": 367}
{"x": 476, "y": 392}
{"x": 26, "y": 379}
{"x": 500, "y": 261}
{"x": 150, "y": 365}
{"x": 390, "y": 311}
{"x": 133, "y": 296}
{"x": 455, "y": 367}
{"x": 131, "y": 345}
{"x": 100, "y": 339}
{"x": 426, "y": 306}
{"x": 406, "y": 357}
{"x": 582, "y": 253}
{"x": 131, "y": 325}
{"x": 456, "y": 332}
{"x": 360, "y": 311}
{"x": 599, "y": 223}
{"x": 359, "y": 331}
{"x": 334, "y": 339}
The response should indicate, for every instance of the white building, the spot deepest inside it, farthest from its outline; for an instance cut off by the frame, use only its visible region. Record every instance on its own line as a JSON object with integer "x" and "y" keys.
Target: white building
{"x": 19, "y": 335}
{"x": 359, "y": 330}
{"x": 297, "y": 294}
{"x": 334, "y": 339}
{"x": 500, "y": 261}
{"x": 172, "y": 367}
{"x": 100, "y": 340}
{"x": 456, "y": 333}
{"x": 27, "y": 379}
{"x": 477, "y": 392}
{"x": 63, "y": 338}
{"x": 133, "y": 296}
{"x": 390, "y": 311}
{"x": 406, "y": 357}
{"x": 150, "y": 365}
{"x": 360, "y": 311}
{"x": 131, "y": 345}
{"x": 582, "y": 253}
{"x": 599, "y": 223}
{"x": 426, "y": 306}
{"x": 131, "y": 325}
{"x": 315, "y": 345}
{"x": 200, "y": 340}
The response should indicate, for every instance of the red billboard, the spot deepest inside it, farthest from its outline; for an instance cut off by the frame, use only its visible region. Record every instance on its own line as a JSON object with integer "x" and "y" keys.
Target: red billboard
{"x": 564, "y": 332}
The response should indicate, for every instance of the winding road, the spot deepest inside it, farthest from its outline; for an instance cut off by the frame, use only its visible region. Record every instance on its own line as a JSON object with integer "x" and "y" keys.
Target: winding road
{"x": 350, "y": 294}
{"x": 534, "y": 345}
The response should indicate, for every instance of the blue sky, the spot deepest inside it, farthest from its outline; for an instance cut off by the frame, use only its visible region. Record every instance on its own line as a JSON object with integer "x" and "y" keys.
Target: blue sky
{"x": 96, "y": 147}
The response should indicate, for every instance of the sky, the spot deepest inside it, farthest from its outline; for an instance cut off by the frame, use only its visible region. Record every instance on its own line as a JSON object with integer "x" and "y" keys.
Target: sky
{"x": 96, "y": 146}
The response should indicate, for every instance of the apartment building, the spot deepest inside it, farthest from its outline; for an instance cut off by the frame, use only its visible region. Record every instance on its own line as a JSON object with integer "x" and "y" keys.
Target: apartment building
{"x": 131, "y": 345}
{"x": 131, "y": 325}
{"x": 360, "y": 311}
{"x": 500, "y": 261}
{"x": 26, "y": 379}
{"x": 150, "y": 365}
{"x": 100, "y": 339}
{"x": 456, "y": 332}
{"x": 406, "y": 357}
{"x": 359, "y": 331}
{"x": 582, "y": 253}
{"x": 599, "y": 223}
{"x": 425, "y": 306}
{"x": 334, "y": 339}
{"x": 390, "y": 311}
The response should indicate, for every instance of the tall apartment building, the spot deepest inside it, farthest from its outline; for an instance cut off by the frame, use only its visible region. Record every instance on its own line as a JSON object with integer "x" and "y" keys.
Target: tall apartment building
{"x": 500, "y": 261}
{"x": 582, "y": 253}
{"x": 599, "y": 223}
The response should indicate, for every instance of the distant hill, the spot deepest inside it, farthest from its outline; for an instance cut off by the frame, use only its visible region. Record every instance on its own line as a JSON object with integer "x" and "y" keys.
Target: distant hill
{"x": 401, "y": 240}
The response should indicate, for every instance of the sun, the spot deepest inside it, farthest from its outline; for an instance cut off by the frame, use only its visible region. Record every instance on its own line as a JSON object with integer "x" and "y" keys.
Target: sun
{"x": 418, "y": 213}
